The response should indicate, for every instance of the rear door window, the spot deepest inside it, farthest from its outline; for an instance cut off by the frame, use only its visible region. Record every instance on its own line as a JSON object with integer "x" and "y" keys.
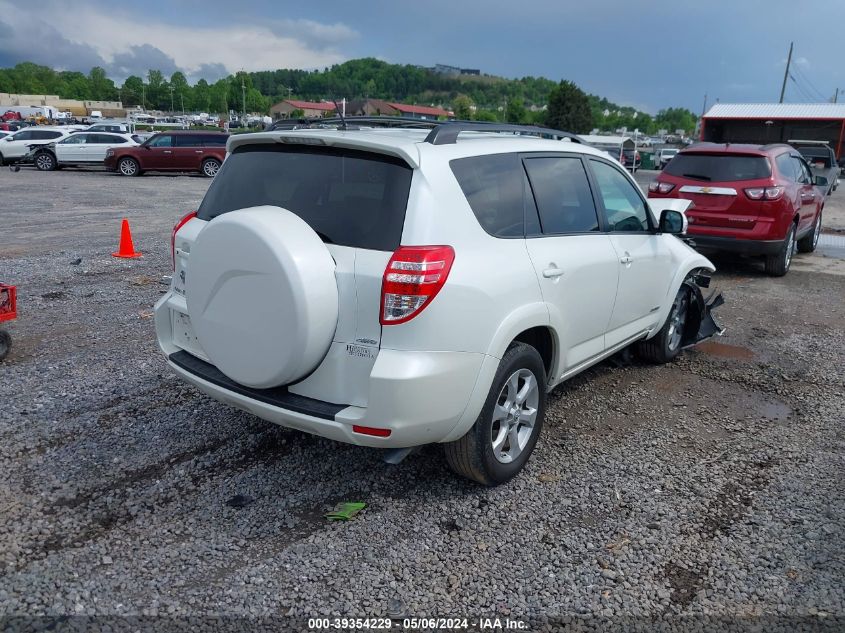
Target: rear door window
{"x": 562, "y": 192}
{"x": 494, "y": 187}
{"x": 189, "y": 140}
{"x": 719, "y": 167}
{"x": 348, "y": 197}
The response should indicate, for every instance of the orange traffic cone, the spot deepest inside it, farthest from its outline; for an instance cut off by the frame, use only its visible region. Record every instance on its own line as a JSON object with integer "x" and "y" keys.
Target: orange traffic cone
{"x": 126, "y": 248}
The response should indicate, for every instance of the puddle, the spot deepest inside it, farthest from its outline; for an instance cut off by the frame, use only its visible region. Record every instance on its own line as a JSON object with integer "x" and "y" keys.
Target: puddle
{"x": 725, "y": 351}
{"x": 832, "y": 245}
{"x": 775, "y": 411}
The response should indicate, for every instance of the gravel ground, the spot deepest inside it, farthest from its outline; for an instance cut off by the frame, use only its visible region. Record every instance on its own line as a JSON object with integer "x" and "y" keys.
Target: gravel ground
{"x": 703, "y": 495}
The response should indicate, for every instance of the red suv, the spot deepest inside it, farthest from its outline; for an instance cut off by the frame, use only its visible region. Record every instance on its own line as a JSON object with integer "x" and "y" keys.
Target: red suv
{"x": 171, "y": 151}
{"x": 749, "y": 199}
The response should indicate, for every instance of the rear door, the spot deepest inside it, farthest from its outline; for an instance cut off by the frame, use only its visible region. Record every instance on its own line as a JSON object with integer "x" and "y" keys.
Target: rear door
{"x": 809, "y": 194}
{"x": 643, "y": 259}
{"x": 574, "y": 259}
{"x": 355, "y": 201}
{"x": 188, "y": 153}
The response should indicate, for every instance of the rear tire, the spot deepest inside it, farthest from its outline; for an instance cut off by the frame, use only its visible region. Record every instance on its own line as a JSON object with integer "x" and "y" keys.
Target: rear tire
{"x": 210, "y": 167}
{"x": 128, "y": 167}
{"x": 777, "y": 265}
{"x": 503, "y": 437}
{"x": 808, "y": 243}
{"x": 665, "y": 346}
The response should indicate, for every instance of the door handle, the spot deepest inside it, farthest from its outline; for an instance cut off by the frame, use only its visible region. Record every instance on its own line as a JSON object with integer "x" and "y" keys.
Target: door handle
{"x": 550, "y": 273}
{"x": 198, "y": 151}
{"x": 167, "y": 151}
{"x": 626, "y": 259}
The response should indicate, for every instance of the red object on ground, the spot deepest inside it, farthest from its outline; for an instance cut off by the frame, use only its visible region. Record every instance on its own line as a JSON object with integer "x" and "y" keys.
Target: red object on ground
{"x": 126, "y": 248}
{"x": 8, "y": 303}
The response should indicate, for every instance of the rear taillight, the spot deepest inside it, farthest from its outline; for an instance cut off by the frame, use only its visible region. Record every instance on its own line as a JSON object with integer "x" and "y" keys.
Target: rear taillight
{"x": 764, "y": 193}
{"x": 413, "y": 277}
{"x": 660, "y": 187}
{"x": 182, "y": 222}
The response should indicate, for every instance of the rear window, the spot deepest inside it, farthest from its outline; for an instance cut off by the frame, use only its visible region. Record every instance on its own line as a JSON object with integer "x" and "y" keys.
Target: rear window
{"x": 816, "y": 155}
{"x": 719, "y": 167}
{"x": 493, "y": 186}
{"x": 349, "y": 198}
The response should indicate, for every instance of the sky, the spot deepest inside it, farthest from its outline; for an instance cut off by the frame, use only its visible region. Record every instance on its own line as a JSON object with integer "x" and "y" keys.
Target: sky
{"x": 650, "y": 54}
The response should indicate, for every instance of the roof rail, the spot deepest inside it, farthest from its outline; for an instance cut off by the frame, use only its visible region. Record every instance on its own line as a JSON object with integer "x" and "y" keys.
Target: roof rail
{"x": 447, "y": 133}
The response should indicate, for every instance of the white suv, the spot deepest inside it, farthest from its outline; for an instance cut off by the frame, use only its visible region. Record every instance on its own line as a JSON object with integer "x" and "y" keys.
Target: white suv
{"x": 15, "y": 146}
{"x": 398, "y": 287}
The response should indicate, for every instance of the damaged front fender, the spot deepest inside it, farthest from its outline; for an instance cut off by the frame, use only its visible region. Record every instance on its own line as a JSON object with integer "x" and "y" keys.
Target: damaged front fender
{"x": 701, "y": 323}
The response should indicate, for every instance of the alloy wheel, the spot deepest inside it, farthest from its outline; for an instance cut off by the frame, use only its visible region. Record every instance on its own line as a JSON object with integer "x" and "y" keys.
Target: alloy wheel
{"x": 678, "y": 319}
{"x": 44, "y": 162}
{"x": 127, "y": 168}
{"x": 514, "y": 415}
{"x": 210, "y": 168}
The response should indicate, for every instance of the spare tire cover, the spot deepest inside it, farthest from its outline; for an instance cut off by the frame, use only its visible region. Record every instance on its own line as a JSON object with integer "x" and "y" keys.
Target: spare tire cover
{"x": 262, "y": 296}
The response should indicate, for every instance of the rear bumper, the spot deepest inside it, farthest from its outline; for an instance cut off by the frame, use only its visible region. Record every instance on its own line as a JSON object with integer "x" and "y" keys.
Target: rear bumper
{"x": 736, "y": 245}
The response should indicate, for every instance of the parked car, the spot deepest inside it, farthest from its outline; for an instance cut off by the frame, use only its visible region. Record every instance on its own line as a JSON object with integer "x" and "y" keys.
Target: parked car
{"x": 82, "y": 148}
{"x": 630, "y": 159}
{"x": 405, "y": 289}
{"x": 181, "y": 150}
{"x": 822, "y": 160}
{"x": 750, "y": 199}
{"x": 663, "y": 155}
{"x": 17, "y": 145}
{"x": 120, "y": 128}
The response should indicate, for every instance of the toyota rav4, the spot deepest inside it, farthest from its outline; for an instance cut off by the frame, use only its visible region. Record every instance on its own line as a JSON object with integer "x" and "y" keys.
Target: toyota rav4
{"x": 400, "y": 287}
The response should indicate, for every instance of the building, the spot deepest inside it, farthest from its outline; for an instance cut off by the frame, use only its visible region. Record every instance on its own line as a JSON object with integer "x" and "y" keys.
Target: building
{"x": 775, "y": 123}
{"x": 74, "y": 106}
{"x": 310, "y": 109}
{"x": 421, "y": 112}
{"x": 371, "y": 107}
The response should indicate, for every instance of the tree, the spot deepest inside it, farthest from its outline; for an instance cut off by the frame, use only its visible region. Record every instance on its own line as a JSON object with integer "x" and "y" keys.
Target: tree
{"x": 569, "y": 109}
{"x": 463, "y": 107}
{"x": 516, "y": 112}
{"x": 132, "y": 91}
{"x": 102, "y": 88}
{"x": 156, "y": 89}
{"x": 675, "y": 119}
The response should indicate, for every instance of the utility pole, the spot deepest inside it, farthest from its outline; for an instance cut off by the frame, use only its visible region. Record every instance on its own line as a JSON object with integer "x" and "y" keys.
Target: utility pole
{"x": 786, "y": 73}
{"x": 143, "y": 96}
{"x": 182, "y": 98}
{"x": 836, "y": 96}
{"x": 171, "y": 99}
{"x": 704, "y": 107}
{"x": 243, "y": 92}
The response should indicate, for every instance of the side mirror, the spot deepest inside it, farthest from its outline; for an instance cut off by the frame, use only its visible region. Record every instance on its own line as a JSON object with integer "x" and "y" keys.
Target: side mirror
{"x": 673, "y": 222}
{"x": 820, "y": 181}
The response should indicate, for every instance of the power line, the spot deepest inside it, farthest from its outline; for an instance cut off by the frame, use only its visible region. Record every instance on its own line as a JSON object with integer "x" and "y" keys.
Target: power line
{"x": 801, "y": 89}
{"x": 806, "y": 80}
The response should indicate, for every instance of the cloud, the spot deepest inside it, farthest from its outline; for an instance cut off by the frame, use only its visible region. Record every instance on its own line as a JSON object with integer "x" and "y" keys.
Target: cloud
{"x": 124, "y": 43}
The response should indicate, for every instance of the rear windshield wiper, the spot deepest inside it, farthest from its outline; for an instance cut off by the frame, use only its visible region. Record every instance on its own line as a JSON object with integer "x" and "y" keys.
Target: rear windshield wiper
{"x": 698, "y": 177}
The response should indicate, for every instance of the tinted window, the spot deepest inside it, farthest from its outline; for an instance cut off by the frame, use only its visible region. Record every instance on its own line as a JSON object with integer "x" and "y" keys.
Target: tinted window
{"x": 103, "y": 139}
{"x": 719, "y": 167}
{"x": 348, "y": 197}
{"x": 26, "y": 135}
{"x": 493, "y": 186}
{"x": 787, "y": 167}
{"x": 624, "y": 206}
{"x": 215, "y": 140}
{"x": 563, "y": 195}
{"x": 45, "y": 135}
{"x": 162, "y": 140}
{"x": 189, "y": 140}
{"x": 76, "y": 139}
{"x": 803, "y": 172}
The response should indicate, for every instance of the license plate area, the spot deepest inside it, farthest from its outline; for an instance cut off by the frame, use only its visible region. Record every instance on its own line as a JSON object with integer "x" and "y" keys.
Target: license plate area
{"x": 183, "y": 334}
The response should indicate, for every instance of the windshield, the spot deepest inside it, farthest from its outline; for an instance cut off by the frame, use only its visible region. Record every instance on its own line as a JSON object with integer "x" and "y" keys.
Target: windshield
{"x": 348, "y": 197}
{"x": 719, "y": 167}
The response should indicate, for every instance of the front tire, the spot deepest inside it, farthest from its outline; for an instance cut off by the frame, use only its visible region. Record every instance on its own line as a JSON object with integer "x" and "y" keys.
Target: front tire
{"x": 128, "y": 167}
{"x": 503, "y": 437}
{"x": 777, "y": 265}
{"x": 45, "y": 161}
{"x": 808, "y": 243}
{"x": 665, "y": 346}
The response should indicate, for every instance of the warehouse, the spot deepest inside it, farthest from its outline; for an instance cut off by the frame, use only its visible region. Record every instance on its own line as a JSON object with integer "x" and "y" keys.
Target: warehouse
{"x": 775, "y": 123}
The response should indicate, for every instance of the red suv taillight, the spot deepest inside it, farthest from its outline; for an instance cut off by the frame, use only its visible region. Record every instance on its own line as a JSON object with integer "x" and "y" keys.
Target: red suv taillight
{"x": 764, "y": 193}
{"x": 660, "y": 187}
{"x": 413, "y": 277}
{"x": 182, "y": 222}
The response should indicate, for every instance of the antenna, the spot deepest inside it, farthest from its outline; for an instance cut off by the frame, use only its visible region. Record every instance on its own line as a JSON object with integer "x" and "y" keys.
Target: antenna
{"x": 337, "y": 109}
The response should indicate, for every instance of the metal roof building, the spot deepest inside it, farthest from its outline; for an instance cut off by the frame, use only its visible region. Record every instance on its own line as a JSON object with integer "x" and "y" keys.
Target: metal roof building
{"x": 775, "y": 123}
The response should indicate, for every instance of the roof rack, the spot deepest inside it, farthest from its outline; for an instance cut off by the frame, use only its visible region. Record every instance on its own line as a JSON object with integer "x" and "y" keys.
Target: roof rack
{"x": 447, "y": 132}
